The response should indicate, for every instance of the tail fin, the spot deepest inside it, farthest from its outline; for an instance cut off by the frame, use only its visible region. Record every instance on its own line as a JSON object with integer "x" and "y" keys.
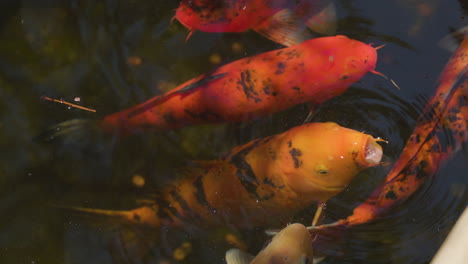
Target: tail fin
{"x": 71, "y": 131}
{"x": 145, "y": 216}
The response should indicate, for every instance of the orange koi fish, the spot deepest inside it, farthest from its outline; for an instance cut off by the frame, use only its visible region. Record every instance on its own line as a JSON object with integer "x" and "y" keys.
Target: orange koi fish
{"x": 292, "y": 245}
{"x": 282, "y": 21}
{"x": 314, "y": 71}
{"x": 423, "y": 153}
{"x": 262, "y": 183}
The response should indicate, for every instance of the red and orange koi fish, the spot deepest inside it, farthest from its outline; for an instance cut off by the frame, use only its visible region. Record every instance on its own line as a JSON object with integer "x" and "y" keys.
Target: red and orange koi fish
{"x": 282, "y": 21}
{"x": 423, "y": 153}
{"x": 262, "y": 183}
{"x": 314, "y": 71}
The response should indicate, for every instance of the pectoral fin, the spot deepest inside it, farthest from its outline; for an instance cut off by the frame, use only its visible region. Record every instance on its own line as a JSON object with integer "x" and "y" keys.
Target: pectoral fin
{"x": 237, "y": 256}
{"x": 285, "y": 28}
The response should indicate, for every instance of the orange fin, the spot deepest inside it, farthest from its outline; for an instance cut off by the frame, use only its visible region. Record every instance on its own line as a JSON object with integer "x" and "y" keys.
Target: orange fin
{"x": 285, "y": 28}
{"x": 324, "y": 22}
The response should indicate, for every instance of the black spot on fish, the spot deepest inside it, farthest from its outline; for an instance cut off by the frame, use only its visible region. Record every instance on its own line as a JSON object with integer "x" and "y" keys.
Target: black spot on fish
{"x": 279, "y": 52}
{"x": 295, "y": 154}
{"x": 267, "y": 86}
{"x": 268, "y": 181}
{"x": 391, "y": 195}
{"x": 244, "y": 171}
{"x": 436, "y": 148}
{"x": 210, "y": 116}
{"x": 452, "y": 118}
{"x": 291, "y": 54}
{"x": 248, "y": 86}
{"x": 462, "y": 100}
{"x": 297, "y": 88}
{"x": 169, "y": 118}
{"x": 205, "y": 115}
{"x": 289, "y": 143}
{"x": 281, "y": 66}
{"x": 421, "y": 169}
{"x": 344, "y": 77}
{"x": 200, "y": 194}
{"x": 272, "y": 153}
{"x": 191, "y": 114}
{"x": 183, "y": 204}
{"x": 136, "y": 217}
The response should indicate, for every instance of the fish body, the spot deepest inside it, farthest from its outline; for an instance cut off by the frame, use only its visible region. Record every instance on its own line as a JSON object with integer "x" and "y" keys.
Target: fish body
{"x": 423, "y": 153}
{"x": 282, "y": 21}
{"x": 292, "y": 245}
{"x": 314, "y": 71}
{"x": 261, "y": 183}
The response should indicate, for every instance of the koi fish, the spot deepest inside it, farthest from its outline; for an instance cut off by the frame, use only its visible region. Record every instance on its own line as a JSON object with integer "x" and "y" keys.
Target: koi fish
{"x": 262, "y": 183}
{"x": 423, "y": 153}
{"x": 314, "y": 71}
{"x": 282, "y": 21}
{"x": 292, "y": 245}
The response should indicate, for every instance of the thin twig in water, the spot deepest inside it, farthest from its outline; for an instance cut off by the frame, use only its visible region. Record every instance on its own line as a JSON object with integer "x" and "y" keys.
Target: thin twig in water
{"x": 67, "y": 103}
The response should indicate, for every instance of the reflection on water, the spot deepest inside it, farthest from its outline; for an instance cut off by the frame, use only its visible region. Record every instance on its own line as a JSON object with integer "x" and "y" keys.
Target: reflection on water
{"x": 114, "y": 54}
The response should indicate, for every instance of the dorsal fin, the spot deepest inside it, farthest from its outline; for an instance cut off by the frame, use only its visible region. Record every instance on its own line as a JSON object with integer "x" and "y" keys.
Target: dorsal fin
{"x": 158, "y": 100}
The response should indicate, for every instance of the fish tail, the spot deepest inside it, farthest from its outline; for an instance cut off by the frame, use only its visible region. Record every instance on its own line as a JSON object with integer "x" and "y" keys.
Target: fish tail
{"x": 145, "y": 215}
{"x": 75, "y": 130}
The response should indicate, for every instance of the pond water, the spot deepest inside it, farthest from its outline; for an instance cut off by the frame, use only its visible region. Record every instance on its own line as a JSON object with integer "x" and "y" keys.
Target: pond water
{"x": 109, "y": 55}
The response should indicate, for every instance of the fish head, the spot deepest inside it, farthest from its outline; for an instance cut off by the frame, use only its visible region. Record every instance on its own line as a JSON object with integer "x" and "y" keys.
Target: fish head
{"x": 319, "y": 160}
{"x": 357, "y": 57}
{"x": 345, "y": 60}
{"x": 292, "y": 245}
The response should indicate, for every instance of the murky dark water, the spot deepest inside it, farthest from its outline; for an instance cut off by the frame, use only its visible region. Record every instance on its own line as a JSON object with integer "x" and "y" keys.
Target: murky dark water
{"x": 69, "y": 49}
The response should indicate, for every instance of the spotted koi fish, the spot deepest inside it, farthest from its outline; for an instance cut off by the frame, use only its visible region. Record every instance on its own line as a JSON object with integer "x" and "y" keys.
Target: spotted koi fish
{"x": 262, "y": 183}
{"x": 423, "y": 153}
{"x": 283, "y": 21}
{"x": 314, "y": 71}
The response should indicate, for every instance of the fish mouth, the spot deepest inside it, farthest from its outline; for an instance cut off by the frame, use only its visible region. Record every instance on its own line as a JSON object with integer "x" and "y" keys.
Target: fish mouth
{"x": 371, "y": 153}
